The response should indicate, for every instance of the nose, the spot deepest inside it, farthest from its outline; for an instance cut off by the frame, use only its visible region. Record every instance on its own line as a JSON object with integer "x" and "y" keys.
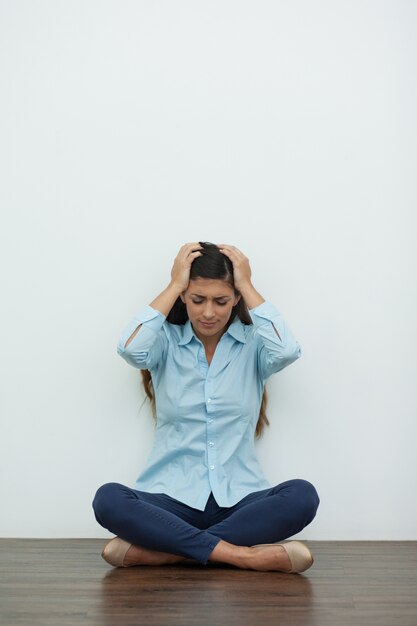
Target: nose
{"x": 208, "y": 311}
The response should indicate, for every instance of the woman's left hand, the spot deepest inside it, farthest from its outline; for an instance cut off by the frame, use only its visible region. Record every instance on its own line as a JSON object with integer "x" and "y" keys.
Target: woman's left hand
{"x": 241, "y": 269}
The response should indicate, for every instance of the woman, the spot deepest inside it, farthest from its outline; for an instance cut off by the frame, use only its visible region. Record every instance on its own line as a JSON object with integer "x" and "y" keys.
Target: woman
{"x": 205, "y": 346}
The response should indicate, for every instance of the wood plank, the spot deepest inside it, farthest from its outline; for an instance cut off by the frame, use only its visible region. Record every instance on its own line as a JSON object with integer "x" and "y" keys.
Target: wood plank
{"x": 64, "y": 582}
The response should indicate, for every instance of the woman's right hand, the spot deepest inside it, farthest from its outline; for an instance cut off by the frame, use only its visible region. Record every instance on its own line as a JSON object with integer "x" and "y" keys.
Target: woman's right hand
{"x": 180, "y": 273}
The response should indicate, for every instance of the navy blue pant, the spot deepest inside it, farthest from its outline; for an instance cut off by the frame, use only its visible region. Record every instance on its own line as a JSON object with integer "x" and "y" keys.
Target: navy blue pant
{"x": 159, "y": 522}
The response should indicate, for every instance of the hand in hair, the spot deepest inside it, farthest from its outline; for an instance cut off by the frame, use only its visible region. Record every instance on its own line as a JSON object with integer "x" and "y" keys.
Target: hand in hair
{"x": 242, "y": 275}
{"x": 241, "y": 269}
{"x": 180, "y": 273}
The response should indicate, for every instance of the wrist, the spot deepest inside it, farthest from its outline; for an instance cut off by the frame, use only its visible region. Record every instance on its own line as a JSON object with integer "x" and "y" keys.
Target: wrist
{"x": 166, "y": 300}
{"x": 246, "y": 289}
{"x": 175, "y": 288}
{"x": 251, "y": 297}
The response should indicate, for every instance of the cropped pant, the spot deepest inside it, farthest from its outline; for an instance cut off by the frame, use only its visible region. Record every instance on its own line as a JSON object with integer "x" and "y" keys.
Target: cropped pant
{"x": 159, "y": 522}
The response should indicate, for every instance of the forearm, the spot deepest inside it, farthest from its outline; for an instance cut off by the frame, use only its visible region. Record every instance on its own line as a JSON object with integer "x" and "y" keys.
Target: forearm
{"x": 166, "y": 299}
{"x": 162, "y": 303}
{"x": 251, "y": 297}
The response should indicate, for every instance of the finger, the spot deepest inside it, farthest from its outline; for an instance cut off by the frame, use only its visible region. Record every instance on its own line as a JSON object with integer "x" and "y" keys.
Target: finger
{"x": 194, "y": 244}
{"x": 231, "y": 250}
{"x": 191, "y": 256}
{"x": 228, "y": 246}
{"x": 226, "y": 251}
{"x": 188, "y": 248}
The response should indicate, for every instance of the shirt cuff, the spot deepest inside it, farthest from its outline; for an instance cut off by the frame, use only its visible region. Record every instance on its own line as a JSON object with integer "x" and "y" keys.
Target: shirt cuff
{"x": 154, "y": 319}
{"x": 264, "y": 312}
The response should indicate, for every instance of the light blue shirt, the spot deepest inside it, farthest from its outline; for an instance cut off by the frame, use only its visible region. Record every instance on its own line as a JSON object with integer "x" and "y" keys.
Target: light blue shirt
{"x": 207, "y": 414}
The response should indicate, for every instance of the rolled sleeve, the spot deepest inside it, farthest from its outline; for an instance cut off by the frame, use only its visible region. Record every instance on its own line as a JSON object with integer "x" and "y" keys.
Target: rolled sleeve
{"x": 277, "y": 346}
{"x": 148, "y": 346}
{"x": 263, "y": 313}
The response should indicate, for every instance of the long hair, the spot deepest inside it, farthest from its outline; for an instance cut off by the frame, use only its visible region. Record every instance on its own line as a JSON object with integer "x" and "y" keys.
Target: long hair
{"x": 212, "y": 264}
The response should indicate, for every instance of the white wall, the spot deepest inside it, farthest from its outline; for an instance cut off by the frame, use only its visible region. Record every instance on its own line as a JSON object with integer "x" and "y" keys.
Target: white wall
{"x": 285, "y": 128}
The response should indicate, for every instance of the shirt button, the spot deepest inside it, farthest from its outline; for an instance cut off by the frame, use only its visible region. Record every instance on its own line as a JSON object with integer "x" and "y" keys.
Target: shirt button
{"x": 210, "y": 420}
{"x": 208, "y": 400}
{"x": 211, "y": 443}
{"x": 212, "y": 467}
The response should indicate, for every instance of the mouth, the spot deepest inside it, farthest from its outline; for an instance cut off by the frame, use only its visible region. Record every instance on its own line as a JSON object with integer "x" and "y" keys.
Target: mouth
{"x": 208, "y": 324}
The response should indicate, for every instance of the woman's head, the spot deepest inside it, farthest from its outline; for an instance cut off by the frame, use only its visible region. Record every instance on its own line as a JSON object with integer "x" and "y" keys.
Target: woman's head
{"x": 211, "y": 295}
{"x": 209, "y": 303}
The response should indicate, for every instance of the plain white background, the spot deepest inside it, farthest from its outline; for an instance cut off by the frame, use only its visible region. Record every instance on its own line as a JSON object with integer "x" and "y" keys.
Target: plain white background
{"x": 287, "y": 129}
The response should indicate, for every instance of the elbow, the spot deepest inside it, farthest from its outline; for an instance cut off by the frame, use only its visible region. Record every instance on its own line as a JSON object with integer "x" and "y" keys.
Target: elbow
{"x": 287, "y": 356}
{"x": 136, "y": 358}
{"x": 293, "y": 352}
{"x": 277, "y": 362}
{"x": 297, "y": 351}
{"x": 121, "y": 348}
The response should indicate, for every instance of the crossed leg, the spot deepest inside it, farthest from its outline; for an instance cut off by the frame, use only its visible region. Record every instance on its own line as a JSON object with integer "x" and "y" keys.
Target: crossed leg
{"x": 267, "y": 516}
{"x": 261, "y": 558}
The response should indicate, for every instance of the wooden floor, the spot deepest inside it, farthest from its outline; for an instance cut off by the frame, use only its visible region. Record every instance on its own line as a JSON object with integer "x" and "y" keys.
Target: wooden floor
{"x": 65, "y": 582}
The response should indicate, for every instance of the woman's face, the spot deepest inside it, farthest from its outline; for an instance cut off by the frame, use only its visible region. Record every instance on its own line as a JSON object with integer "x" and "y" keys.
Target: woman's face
{"x": 209, "y": 304}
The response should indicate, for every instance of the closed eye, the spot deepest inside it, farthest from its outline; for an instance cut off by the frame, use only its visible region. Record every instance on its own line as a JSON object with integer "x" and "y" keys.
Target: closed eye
{"x": 200, "y": 302}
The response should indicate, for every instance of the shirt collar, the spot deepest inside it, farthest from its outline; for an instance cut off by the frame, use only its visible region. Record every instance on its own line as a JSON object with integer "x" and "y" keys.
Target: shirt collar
{"x": 235, "y": 330}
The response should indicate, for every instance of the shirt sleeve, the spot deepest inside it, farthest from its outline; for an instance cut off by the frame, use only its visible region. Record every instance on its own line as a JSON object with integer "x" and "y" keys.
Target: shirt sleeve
{"x": 148, "y": 348}
{"x": 277, "y": 346}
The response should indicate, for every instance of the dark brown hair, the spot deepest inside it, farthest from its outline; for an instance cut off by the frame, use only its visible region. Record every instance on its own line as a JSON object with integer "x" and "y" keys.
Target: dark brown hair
{"x": 212, "y": 264}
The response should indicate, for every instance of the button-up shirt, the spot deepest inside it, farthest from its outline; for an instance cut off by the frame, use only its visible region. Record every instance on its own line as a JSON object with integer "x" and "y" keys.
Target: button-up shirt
{"x": 207, "y": 414}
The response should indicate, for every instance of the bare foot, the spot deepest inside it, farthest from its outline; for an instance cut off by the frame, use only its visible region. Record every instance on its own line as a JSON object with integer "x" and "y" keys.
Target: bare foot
{"x": 136, "y": 555}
